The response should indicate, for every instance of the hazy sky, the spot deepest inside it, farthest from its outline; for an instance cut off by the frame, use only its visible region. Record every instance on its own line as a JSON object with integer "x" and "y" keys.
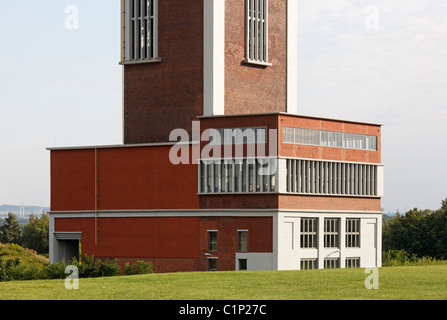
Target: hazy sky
{"x": 375, "y": 61}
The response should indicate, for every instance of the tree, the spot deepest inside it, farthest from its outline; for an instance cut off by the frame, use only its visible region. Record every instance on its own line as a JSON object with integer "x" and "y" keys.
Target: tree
{"x": 10, "y": 231}
{"x": 35, "y": 234}
{"x": 420, "y": 232}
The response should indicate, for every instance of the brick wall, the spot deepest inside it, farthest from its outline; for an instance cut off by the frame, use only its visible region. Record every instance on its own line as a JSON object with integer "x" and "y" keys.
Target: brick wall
{"x": 159, "y": 97}
{"x": 251, "y": 88}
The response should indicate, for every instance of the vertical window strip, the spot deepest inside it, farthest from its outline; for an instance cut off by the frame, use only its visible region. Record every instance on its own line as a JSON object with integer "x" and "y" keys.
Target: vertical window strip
{"x": 237, "y": 175}
{"x": 324, "y": 177}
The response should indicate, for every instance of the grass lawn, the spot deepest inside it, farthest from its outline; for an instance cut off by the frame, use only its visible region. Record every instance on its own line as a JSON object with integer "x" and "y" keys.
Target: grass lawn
{"x": 407, "y": 282}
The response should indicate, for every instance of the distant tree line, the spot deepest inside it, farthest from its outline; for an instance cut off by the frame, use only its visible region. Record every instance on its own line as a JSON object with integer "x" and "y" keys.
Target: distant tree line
{"x": 32, "y": 235}
{"x": 419, "y": 232}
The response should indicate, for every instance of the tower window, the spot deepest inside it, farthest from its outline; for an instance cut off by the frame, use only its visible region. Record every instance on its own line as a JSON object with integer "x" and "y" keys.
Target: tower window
{"x": 256, "y": 22}
{"x": 140, "y": 31}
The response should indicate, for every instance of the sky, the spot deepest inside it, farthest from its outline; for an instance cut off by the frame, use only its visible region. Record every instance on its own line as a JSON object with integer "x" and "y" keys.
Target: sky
{"x": 375, "y": 61}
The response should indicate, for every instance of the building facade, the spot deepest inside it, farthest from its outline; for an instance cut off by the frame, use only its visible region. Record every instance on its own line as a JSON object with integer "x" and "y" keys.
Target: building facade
{"x": 217, "y": 171}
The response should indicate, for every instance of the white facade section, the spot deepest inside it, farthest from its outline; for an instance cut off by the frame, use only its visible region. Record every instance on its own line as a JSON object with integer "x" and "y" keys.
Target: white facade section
{"x": 255, "y": 260}
{"x": 289, "y": 252}
{"x": 292, "y": 56}
{"x": 380, "y": 181}
{"x": 214, "y": 57}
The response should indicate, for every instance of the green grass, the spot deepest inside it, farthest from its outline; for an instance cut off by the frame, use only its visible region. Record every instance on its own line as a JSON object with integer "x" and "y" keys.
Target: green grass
{"x": 406, "y": 282}
{"x": 27, "y": 257}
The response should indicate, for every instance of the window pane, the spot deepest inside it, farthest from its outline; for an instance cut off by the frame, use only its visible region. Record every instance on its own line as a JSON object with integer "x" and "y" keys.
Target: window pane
{"x": 242, "y": 241}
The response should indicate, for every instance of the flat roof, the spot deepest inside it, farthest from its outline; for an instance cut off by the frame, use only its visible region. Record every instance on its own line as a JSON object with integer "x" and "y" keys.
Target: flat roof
{"x": 291, "y": 115}
{"x": 171, "y": 143}
{"x": 111, "y": 146}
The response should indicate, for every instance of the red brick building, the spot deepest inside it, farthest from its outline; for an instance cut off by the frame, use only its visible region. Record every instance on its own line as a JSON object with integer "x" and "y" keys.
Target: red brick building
{"x": 273, "y": 190}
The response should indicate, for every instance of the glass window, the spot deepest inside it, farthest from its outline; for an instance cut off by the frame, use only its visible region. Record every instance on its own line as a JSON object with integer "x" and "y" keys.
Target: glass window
{"x": 256, "y": 31}
{"x": 331, "y": 263}
{"x": 212, "y": 264}
{"x": 331, "y": 232}
{"x": 352, "y": 262}
{"x": 212, "y": 240}
{"x": 140, "y": 30}
{"x": 306, "y": 264}
{"x": 308, "y": 233}
{"x": 352, "y": 233}
{"x": 242, "y": 264}
{"x": 242, "y": 240}
{"x": 329, "y": 139}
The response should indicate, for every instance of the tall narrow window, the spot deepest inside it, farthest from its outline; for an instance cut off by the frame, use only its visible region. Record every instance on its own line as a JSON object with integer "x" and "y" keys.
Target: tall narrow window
{"x": 212, "y": 264}
{"x": 242, "y": 240}
{"x": 212, "y": 240}
{"x": 140, "y": 31}
{"x": 352, "y": 233}
{"x": 256, "y": 31}
{"x": 331, "y": 227}
{"x": 308, "y": 233}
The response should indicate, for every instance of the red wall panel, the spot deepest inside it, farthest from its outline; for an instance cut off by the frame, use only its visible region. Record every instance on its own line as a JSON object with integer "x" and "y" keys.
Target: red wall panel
{"x": 162, "y": 237}
{"x": 72, "y": 180}
{"x": 128, "y": 178}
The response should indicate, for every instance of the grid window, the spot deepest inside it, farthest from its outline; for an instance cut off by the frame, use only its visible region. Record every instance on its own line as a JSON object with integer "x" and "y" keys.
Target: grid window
{"x": 212, "y": 240}
{"x": 329, "y": 139}
{"x": 331, "y": 263}
{"x": 308, "y": 233}
{"x": 352, "y": 262}
{"x": 243, "y": 135}
{"x": 140, "y": 30}
{"x": 352, "y": 233}
{"x": 242, "y": 241}
{"x": 331, "y": 232}
{"x": 257, "y": 31}
{"x": 242, "y": 264}
{"x": 212, "y": 264}
{"x": 307, "y": 264}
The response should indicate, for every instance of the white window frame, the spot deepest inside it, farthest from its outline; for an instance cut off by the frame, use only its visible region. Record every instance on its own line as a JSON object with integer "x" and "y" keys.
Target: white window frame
{"x": 309, "y": 233}
{"x": 352, "y": 233}
{"x": 352, "y": 262}
{"x": 331, "y": 232}
{"x": 256, "y": 32}
{"x": 331, "y": 263}
{"x": 146, "y": 54}
{"x": 308, "y": 264}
